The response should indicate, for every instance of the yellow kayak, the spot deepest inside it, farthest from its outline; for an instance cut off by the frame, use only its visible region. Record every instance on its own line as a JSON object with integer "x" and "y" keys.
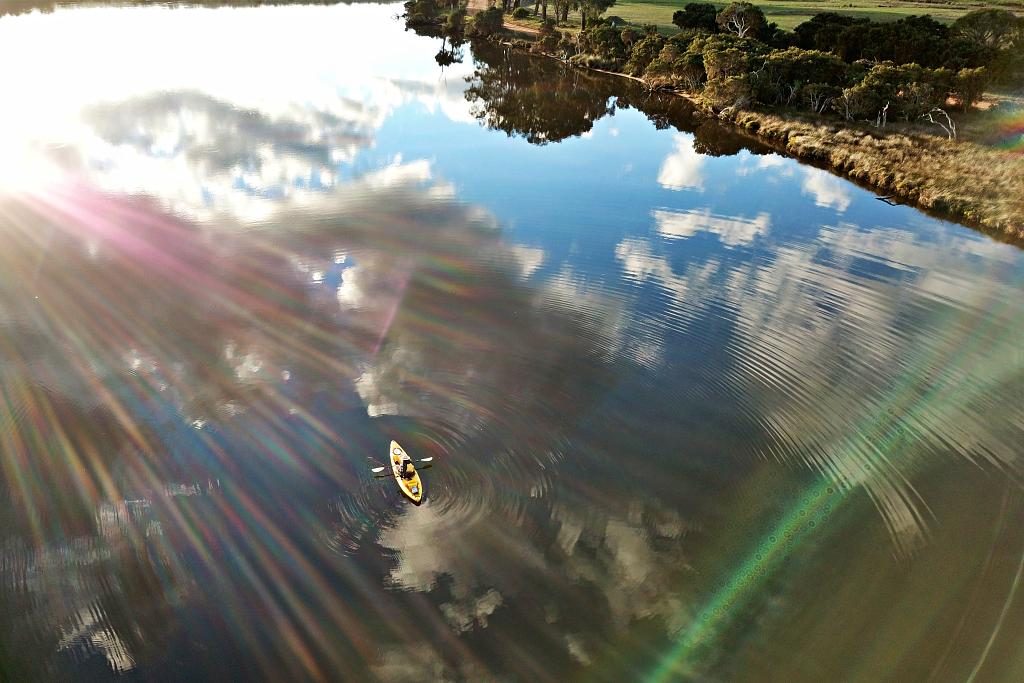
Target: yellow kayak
{"x": 405, "y": 474}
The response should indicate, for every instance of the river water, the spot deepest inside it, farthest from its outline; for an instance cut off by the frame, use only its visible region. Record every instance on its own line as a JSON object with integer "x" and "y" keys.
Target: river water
{"x": 697, "y": 411}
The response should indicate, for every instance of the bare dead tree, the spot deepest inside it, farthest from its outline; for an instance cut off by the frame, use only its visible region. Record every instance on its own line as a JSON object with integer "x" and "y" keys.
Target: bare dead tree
{"x": 949, "y": 126}
{"x": 883, "y": 117}
{"x": 819, "y": 99}
{"x": 846, "y": 99}
{"x": 738, "y": 24}
{"x": 739, "y": 103}
{"x": 791, "y": 90}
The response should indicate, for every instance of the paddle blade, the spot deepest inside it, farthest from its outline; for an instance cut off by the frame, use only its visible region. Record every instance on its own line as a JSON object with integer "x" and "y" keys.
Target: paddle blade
{"x": 426, "y": 459}
{"x": 378, "y": 469}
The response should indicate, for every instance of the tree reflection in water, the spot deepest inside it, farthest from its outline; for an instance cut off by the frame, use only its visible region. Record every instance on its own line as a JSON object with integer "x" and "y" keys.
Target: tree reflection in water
{"x": 543, "y": 101}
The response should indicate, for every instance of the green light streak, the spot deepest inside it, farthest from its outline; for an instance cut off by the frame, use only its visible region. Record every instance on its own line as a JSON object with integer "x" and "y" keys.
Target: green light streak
{"x": 882, "y": 433}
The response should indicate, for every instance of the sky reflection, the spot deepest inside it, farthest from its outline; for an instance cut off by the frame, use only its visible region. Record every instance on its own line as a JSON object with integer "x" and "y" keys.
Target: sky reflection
{"x": 695, "y": 407}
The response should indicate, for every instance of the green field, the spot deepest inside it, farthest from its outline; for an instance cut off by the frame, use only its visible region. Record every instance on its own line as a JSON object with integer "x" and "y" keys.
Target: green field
{"x": 789, "y": 13}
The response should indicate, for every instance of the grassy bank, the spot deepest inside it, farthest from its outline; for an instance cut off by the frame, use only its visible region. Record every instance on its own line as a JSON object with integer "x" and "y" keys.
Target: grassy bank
{"x": 871, "y": 121}
{"x": 971, "y": 183}
{"x": 977, "y": 185}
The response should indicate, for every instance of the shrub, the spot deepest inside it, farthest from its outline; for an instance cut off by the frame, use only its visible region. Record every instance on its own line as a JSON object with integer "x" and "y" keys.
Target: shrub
{"x": 784, "y": 72}
{"x": 455, "y": 25}
{"x": 487, "y": 23}
{"x": 643, "y": 53}
{"x": 604, "y": 41}
{"x": 698, "y": 15}
{"x": 680, "y": 64}
{"x": 905, "y": 90}
{"x": 421, "y": 12}
{"x": 629, "y": 36}
{"x": 818, "y": 97}
{"x": 969, "y": 85}
{"x": 592, "y": 61}
{"x": 732, "y": 92}
{"x": 520, "y": 13}
{"x": 567, "y": 45}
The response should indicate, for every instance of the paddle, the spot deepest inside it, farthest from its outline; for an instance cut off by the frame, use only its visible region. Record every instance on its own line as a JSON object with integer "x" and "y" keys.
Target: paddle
{"x": 375, "y": 470}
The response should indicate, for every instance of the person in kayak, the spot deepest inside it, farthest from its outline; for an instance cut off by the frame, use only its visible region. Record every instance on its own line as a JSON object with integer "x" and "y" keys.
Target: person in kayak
{"x": 408, "y": 471}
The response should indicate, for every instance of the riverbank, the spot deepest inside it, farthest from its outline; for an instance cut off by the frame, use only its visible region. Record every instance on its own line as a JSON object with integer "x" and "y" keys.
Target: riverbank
{"x": 975, "y": 184}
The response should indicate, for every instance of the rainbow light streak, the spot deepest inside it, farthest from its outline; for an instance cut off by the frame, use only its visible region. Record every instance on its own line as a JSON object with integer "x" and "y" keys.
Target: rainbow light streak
{"x": 1009, "y": 131}
{"x": 881, "y": 435}
{"x": 94, "y": 323}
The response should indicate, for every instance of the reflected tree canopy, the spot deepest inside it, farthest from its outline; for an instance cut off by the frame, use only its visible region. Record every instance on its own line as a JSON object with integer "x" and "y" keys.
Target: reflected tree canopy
{"x": 543, "y": 100}
{"x": 538, "y": 99}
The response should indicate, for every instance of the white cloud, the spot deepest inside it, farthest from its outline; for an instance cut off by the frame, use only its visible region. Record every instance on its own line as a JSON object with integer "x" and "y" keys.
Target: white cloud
{"x": 766, "y": 162}
{"x": 399, "y": 174}
{"x": 682, "y": 168}
{"x": 529, "y": 259}
{"x": 732, "y": 230}
{"x": 182, "y": 126}
{"x": 827, "y": 189}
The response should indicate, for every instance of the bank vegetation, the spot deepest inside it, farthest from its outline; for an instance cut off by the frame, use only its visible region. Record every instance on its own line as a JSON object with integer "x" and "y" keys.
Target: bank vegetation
{"x": 882, "y": 103}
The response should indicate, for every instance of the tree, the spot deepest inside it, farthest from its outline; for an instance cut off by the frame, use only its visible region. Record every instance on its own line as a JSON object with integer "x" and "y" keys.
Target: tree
{"x": 543, "y": 101}
{"x": 644, "y": 52}
{"x": 783, "y": 75}
{"x": 728, "y": 60}
{"x": 629, "y": 36}
{"x": 994, "y": 28}
{"x": 421, "y": 12}
{"x": 911, "y": 40}
{"x": 936, "y": 115}
{"x": 592, "y": 9}
{"x": 818, "y": 97}
{"x": 487, "y": 23}
{"x": 854, "y": 103}
{"x": 697, "y": 15}
{"x": 822, "y": 30}
{"x": 562, "y": 8}
{"x": 729, "y": 94}
{"x": 919, "y": 40}
{"x": 455, "y": 25}
{"x": 904, "y": 90}
{"x": 726, "y": 56}
{"x": 679, "y": 64}
{"x": 604, "y": 41}
{"x": 743, "y": 19}
{"x": 969, "y": 85}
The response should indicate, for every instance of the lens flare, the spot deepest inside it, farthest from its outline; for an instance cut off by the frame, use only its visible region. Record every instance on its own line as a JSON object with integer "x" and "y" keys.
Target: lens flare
{"x": 1009, "y": 131}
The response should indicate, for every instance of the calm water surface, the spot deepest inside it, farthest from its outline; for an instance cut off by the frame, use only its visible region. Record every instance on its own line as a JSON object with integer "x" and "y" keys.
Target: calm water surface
{"x": 698, "y": 412}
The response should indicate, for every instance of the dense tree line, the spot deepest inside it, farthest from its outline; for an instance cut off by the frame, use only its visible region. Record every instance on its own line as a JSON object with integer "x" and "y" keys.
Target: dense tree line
{"x": 835, "y": 64}
{"x": 832, "y": 64}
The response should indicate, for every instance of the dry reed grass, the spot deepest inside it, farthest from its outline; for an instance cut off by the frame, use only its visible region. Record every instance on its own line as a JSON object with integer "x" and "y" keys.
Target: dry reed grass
{"x": 978, "y": 185}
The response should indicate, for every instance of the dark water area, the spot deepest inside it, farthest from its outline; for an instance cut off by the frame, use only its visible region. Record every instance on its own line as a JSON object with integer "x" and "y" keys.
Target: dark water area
{"x": 696, "y": 411}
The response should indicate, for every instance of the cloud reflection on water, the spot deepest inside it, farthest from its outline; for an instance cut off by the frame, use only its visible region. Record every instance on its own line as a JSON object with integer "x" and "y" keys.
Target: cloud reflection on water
{"x": 683, "y": 168}
{"x": 814, "y": 323}
{"x": 191, "y": 398}
{"x": 732, "y": 230}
